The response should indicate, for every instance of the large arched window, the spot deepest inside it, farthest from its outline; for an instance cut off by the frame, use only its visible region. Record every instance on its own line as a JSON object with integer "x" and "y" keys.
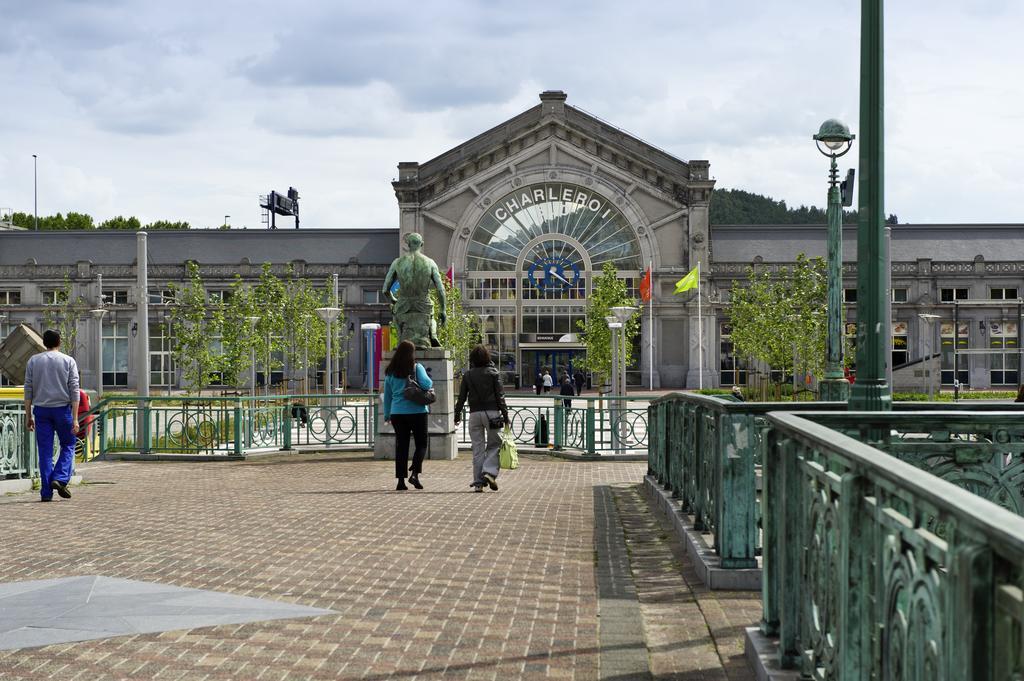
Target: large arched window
{"x": 555, "y": 208}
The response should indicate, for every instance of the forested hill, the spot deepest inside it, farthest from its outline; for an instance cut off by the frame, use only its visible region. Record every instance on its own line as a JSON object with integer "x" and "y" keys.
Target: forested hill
{"x": 737, "y": 207}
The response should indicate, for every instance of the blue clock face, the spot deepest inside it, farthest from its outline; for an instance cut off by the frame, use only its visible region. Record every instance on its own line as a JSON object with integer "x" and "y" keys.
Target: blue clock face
{"x": 553, "y": 273}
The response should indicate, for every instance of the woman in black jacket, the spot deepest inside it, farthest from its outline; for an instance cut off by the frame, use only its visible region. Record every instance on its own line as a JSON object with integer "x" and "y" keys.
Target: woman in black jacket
{"x": 487, "y": 414}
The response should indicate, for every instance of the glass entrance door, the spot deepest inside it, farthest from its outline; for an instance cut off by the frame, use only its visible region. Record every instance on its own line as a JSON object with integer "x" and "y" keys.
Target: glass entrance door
{"x": 557, "y": 361}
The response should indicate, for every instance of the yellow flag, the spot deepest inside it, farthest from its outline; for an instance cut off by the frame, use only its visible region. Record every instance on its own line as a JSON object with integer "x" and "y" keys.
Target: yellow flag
{"x": 687, "y": 282}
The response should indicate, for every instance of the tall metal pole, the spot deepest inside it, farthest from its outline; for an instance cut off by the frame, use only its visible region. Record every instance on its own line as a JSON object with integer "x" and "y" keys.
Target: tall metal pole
{"x": 142, "y": 316}
{"x": 142, "y": 341}
{"x": 835, "y": 387}
{"x": 35, "y": 191}
{"x": 327, "y": 382}
{"x": 622, "y": 360}
{"x": 871, "y": 392}
{"x": 334, "y": 303}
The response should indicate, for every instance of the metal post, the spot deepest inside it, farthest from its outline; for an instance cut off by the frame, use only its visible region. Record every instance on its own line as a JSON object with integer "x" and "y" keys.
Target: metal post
{"x": 35, "y": 191}
{"x": 835, "y": 387}
{"x": 170, "y": 356}
{"x": 334, "y": 365}
{"x": 98, "y": 316}
{"x": 266, "y": 371}
{"x": 956, "y": 344}
{"x": 871, "y": 392}
{"x": 142, "y": 341}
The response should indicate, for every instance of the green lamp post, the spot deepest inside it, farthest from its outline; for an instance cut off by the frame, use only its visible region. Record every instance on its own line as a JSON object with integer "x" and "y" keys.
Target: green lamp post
{"x": 871, "y": 391}
{"x": 834, "y": 140}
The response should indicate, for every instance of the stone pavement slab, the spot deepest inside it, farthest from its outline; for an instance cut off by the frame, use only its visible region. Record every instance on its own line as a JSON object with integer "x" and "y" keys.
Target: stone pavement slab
{"x": 48, "y": 611}
{"x": 439, "y": 583}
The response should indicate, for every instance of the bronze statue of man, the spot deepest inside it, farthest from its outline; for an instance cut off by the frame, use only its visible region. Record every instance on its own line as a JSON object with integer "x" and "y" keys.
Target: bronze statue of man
{"x": 412, "y": 307}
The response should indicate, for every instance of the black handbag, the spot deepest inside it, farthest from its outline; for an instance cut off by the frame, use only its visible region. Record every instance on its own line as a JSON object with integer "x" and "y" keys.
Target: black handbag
{"x": 416, "y": 394}
{"x": 495, "y": 422}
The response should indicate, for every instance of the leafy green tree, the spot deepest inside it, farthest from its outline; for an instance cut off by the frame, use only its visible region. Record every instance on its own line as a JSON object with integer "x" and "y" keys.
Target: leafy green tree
{"x": 194, "y": 326}
{"x": 776, "y": 317}
{"x": 608, "y": 291}
{"x": 120, "y": 222}
{"x": 304, "y": 332}
{"x": 268, "y": 298}
{"x": 166, "y": 224}
{"x": 63, "y": 317}
{"x": 461, "y": 332}
{"x": 237, "y": 341}
{"x": 738, "y": 207}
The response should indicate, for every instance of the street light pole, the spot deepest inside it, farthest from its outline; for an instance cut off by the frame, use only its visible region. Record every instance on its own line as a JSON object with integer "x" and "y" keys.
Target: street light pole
{"x": 98, "y": 316}
{"x": 35, "y": 191}
{"x": 871, "y": 391}
{"x": 328, "y": 315}
{"x": 929, "y": 320}
{"x": 834, "y": 140}
{"x": 252, "y": 353}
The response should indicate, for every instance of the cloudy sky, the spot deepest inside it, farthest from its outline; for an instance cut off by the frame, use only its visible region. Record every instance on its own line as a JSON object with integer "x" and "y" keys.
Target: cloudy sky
{"x": 189, "y": 110}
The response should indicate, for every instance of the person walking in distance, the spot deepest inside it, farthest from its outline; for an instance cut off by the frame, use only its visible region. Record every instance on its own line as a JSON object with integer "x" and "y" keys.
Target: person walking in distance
{"x": 567, "y": 390}
{"x": 51, "y": 406}
{"x": 538, "y": 383}
{"x": 488, "y": 413}
{"x": 407, "y": 417}
{"x": 549, "y": 382}
{"x": 579, "y": 379}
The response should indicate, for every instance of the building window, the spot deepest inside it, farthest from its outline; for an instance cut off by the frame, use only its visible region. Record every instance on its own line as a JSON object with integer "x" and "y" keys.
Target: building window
{"x": 1003, "y": 294}
{"x": 115, "y": 296}
{"x": 161, "y": 364}
{"x": 962, "y": 343}
{"x": 219, "y": 296}
{"x": 899, "y": 295}
{"x": 490, "y": 288}
{"x": 899, "y": 344}
{"x": 10, "y": 297}
{"x": 165, "y": 297}
{"x": 732, "y": 370}
{"x": 54, "y": 296}
{"x": 371, "y": 296}
{"x": 115, "y": 354}
{"x": 1004, "y": 365}
{"x": 948, "y": 295}
{"x": 849, "y": 295}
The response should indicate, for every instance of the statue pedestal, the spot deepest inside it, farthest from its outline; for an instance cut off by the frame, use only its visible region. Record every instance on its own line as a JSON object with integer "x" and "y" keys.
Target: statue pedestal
{"x": 442, "y": 441}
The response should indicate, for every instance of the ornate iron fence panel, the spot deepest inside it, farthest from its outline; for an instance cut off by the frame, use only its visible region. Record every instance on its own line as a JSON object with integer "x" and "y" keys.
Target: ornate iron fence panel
{"x": 320, "y": 420}
{"x": 877, "y": 569}
{"x": 17, "y": 449}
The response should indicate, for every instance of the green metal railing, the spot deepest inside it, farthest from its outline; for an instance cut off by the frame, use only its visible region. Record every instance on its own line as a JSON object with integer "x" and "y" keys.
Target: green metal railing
{"x": 707, "y": 451}
{"x": 232, "y": 426}
{"x": 17, "y": 448}
{"x": 874, "y": 568}
{"x": 592, "y": 425}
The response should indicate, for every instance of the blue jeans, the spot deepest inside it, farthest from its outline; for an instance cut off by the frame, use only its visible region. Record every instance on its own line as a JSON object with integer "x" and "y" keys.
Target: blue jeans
{"x": 48, "y": 421}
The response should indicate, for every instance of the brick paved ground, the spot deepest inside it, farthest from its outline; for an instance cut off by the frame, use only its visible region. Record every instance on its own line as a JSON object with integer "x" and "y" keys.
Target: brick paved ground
{"x": 441, "y": 583}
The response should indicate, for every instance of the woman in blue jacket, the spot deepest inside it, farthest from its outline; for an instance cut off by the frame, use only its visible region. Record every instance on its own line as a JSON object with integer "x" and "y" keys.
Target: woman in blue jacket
{"x": 406, "y": 416}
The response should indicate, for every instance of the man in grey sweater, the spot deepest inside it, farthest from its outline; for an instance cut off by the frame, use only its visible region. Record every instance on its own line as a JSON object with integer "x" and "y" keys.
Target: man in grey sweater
{"x": 51, "y": 397}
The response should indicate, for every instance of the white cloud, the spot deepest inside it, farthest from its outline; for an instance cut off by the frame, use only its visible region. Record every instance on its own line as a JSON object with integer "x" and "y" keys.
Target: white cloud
{"x": 190, "y": 110}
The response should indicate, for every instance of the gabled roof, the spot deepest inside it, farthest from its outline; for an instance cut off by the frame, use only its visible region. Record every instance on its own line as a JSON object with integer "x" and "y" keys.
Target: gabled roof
{"x": 573, "y": 125}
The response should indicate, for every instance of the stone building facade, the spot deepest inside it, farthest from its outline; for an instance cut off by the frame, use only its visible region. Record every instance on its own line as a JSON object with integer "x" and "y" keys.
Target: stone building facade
{"x": 526, "y": 214}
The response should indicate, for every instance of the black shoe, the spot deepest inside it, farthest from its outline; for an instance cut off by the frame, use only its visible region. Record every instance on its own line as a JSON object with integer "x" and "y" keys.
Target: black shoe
{"x": 401, "y": 486}
{"x": 491, "y": 482}
{"x": 415, "y": 482}
{"x": 51, "y": 498}
{"x": 61, "y": 488}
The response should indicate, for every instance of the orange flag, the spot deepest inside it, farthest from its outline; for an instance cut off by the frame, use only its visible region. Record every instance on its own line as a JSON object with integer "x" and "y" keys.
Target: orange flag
{"x": 645, "y": 286}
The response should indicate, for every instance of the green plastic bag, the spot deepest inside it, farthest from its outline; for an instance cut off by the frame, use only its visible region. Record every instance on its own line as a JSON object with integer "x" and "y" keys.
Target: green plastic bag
{"x": 508, "y": 456}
